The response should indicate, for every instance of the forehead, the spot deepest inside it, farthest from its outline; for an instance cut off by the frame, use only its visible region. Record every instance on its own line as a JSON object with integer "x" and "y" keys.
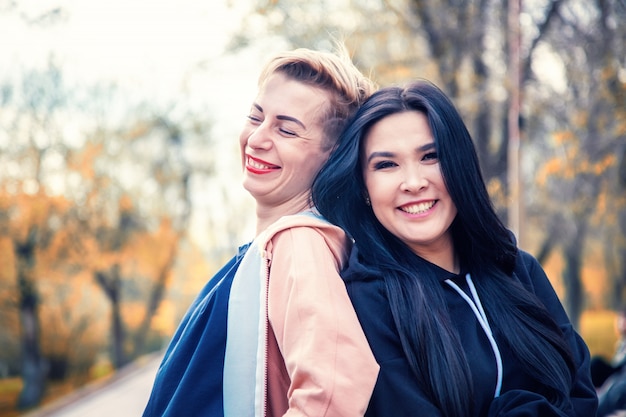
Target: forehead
{"x": 281, "y": 95}
{"x": 407, "y": 127}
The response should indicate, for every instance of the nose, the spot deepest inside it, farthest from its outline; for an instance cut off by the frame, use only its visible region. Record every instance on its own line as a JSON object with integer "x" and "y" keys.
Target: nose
{"x": 259, "y": 136}
{"x": 413, "y": 179}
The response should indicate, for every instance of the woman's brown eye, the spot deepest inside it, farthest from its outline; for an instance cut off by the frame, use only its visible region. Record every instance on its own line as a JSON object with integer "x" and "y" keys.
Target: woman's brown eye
{"x": 384, "y": 164}
{"x": 431, "y": 156}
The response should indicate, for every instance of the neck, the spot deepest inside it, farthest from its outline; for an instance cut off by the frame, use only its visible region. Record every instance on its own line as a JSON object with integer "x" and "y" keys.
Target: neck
{"x": 266, "y": 214}
{"x": 441, "y": 254}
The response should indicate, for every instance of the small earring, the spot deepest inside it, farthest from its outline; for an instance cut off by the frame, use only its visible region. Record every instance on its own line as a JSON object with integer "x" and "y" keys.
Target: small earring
{"x": 367, "y": 201}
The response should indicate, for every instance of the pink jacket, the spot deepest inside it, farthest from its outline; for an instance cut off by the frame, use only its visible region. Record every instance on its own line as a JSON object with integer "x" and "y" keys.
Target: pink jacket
{"x": 313, "y": 358}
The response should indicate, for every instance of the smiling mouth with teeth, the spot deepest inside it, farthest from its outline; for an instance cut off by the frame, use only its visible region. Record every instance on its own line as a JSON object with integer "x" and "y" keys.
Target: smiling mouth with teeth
{"x": 260, "y": 166}
{"x": 418, "y": 208}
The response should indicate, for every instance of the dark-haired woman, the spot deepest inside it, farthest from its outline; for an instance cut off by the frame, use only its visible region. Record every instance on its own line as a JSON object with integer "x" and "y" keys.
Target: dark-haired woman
{"x": 461, "y": 321}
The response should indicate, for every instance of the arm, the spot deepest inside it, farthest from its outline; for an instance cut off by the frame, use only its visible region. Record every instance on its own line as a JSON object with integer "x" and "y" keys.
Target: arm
{"x": 582, "y": 394}
{"x": 328, "y": 360}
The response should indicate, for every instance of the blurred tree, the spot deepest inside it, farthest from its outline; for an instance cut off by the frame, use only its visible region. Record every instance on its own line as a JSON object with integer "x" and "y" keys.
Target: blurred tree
{"x": 25, "y": 245}
{"x": 571, "y": 74}
{"x": 615, "y": 230}
{"x": 136, "y": 179}
{"x": 96, "y": 197}
{"x": 579, "y": 130}
{"x": 31, "y": 230}
{"x": 27, "y": 223}
{"x": 462, "y": 46}
{"x": 9, "y": 315}
{"x": 95, "y": 193}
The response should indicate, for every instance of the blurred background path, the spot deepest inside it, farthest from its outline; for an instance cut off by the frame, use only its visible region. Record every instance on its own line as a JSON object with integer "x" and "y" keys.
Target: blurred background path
{"x": 123, "y": 395}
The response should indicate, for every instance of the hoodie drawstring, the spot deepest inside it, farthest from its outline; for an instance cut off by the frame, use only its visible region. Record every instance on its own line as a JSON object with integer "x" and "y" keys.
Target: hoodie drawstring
{"x": 479, "y": 312}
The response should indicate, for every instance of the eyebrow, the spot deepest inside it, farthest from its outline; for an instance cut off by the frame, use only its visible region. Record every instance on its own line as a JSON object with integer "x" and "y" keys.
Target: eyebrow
{"x": 379, "y": 155}
{"x": 386, "y": 154}
{"x": 282, "y": 117}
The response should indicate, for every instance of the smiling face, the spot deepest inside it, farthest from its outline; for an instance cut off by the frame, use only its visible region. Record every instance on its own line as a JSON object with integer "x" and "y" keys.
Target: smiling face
{"x": 282, "y": 144}
{"x": 406, "y": 188}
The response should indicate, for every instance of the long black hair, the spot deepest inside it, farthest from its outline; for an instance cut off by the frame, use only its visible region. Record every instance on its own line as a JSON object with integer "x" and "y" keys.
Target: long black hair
{"x": 483, "y": 244}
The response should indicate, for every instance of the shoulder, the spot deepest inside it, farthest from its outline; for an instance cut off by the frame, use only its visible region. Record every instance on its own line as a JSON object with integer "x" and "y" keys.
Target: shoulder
{"x": 531, "y": 274}
{"x": 528, "y": 269}
{"x": 305, "y": 224}
{"x": 364, "y": 284}
{"x": 367, "y": 292}
{"x": 304, "y": 236}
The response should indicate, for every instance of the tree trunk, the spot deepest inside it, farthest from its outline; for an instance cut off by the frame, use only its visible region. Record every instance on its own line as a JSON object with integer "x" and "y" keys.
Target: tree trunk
{"x": 117, "y": 326}
{"x": 110, "y": 281}
{"x": 33, "y": 365}
{"x": 618, "y": 295}
{"x": 156, "y": 296}
{"x": 572, "y": 279}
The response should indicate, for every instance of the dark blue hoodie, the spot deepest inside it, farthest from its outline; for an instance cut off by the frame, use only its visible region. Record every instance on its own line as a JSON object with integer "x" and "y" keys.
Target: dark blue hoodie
{"x": 397, "y": 392}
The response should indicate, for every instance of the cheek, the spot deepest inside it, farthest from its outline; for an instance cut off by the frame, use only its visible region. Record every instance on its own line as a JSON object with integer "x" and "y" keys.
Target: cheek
{"x": 379, "y": 188}
{"x": 243, "y": 137}
{"x": 243, "y": 141}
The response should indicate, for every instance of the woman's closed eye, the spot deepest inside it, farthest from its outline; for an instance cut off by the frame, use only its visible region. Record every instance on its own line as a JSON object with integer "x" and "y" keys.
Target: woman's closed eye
{"x": 287, "y": 132}
{"x": 257, "y": 120}
{"x": 253, "y": 118}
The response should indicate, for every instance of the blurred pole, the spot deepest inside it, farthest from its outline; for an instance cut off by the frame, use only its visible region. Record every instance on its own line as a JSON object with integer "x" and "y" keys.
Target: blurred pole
{"x": 515, "y": 201}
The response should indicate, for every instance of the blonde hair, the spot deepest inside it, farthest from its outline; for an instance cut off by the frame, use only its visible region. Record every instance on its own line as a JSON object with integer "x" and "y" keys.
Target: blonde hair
{"x": 334, "y": 73}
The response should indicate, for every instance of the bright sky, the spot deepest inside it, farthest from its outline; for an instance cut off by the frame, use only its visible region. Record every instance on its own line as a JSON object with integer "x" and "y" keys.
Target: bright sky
{"x": 135, "y": 41}
{"x": 157, "y": 49}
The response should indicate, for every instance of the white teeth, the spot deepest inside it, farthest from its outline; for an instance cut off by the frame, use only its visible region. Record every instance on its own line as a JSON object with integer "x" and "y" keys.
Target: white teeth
{"x": 255, "y": 164}
{"x": 418, "y": 208}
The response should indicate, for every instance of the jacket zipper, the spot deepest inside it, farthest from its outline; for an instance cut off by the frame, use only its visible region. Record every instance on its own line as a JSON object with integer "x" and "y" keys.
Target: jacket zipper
{"x": 266, "y": 262}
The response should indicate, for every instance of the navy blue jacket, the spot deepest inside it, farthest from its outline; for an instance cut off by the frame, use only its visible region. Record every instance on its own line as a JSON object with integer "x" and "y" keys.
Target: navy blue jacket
{"x": 189, "y": 380}
{"x": 397, "y": 392}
